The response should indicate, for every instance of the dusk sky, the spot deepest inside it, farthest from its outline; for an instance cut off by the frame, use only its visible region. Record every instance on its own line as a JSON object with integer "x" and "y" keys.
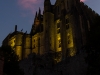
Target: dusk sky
{"x": 21, "y": 13}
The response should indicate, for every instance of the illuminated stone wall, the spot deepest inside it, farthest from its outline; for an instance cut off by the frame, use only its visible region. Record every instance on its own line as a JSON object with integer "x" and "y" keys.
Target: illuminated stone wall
{"x": 70, "y": 36}
{"x": 26, "y": 52}
{"x": 27, "y": 45}
{"x": 19, "y": 51}
{"x": 41, "y": 43}
{"x": 58, "y": 35}
{"x": 18, "y": 45}
{"x": 28, "y": 42}
{"x": 65, "y": 29}
{"x": 51, "y": 31}
{"x": 38, "y": 43}
{"x": 35, "y": 43}
{"x": 19, "y": 39}
{"x": 58, "y": 45}
{"x": 12, "y": 42}
{"x": 15, "y": 41}
{"x": 48, "y": 32}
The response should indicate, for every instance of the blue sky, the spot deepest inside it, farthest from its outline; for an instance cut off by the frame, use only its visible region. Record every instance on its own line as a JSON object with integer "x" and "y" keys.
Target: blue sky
{"x": 21, "y": 13}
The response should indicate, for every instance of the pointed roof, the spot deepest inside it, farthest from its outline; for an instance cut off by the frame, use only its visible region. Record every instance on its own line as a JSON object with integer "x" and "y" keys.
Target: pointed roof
{"x": 36, "y": 15}
{"x": 39, "y": 10}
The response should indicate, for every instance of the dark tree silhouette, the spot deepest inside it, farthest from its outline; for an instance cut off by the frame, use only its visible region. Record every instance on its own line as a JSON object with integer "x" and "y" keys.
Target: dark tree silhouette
{"x": 11, "y": 63}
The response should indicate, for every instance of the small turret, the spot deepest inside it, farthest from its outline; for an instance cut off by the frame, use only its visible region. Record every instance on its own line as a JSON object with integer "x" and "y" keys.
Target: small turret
{"x": 15, "y": 28}
{"x": 39, "y": 11}
{"x": 36, "y": 15}
{"x": 39, "y": 14}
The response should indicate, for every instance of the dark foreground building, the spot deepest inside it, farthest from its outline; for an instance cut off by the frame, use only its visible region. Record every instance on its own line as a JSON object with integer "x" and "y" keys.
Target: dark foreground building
{"x": 1, "y": 63}
{"x": 62, "y": 28}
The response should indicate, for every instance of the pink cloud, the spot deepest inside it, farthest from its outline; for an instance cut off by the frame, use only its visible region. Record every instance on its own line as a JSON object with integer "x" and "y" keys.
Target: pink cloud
{"x": 31, "y": 5}
{"x": 82, "y": 0}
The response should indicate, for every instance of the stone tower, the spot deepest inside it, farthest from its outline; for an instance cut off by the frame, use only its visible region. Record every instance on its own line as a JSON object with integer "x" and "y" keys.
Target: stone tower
{"x": 48, "y": 25}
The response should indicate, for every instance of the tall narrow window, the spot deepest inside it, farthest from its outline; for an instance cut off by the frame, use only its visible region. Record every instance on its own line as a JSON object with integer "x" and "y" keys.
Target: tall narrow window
{"x": 66, "y": 21}
{"x": 69, "y": 41}
{"x": 59, "y": 42}
{"x": 67, "y": 26}
{"x": 14, "y": 41}
{"x": 68, "y": 37}
{"x": 34, "y": 40}
{"x": 58, "y": 25}
{"x": 58, "y": 30}
{"x": 33, "y": 46}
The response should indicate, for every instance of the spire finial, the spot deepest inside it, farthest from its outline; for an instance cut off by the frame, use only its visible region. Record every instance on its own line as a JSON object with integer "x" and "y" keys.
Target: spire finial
{"x": 15, "y": 28}
{"x": 36, "y": 15}
{"x": 39, "y": 13}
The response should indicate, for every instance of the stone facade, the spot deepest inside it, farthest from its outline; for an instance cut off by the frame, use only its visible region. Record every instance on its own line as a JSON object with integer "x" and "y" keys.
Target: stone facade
{"x": 62, "y": 28}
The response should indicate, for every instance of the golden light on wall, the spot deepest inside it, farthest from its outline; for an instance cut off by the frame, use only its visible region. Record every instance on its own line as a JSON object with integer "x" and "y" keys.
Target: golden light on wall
{"x": 72, "y": 52}
{"x": 12, "y": 43}
{"x": 70, "y": 44}
{"x": 28, "y": 42}
{"x": 19, "y": 52}
{"x": 59, "y": 38}
{"x": 58, "y": 43}
{"x": 58, "y": 20}
{"x": 27, "y": 52}
{"x": 70, "y": 40}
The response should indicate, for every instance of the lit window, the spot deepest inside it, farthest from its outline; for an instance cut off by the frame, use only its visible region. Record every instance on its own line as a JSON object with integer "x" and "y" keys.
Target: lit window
{"x": 67, "y": 26}
{"x": 60, "y": 45}
{"x": 14, "y": 40}
{"x": 58, "y": 25}
{"x": 69, "y": 41}
{"x": 68, "y": 37}
{"x": 66, "y": 21}
{"x": 34, "y": 40}
{"x": 33, "y": 46}
{"x": 59, "y": 42}
{"x": 58, "y": 30}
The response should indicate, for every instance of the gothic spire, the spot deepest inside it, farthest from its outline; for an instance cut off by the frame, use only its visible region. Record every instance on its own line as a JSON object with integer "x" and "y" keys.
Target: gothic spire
{"x": 39, "y": 10}
{"x": 36, "y": 14}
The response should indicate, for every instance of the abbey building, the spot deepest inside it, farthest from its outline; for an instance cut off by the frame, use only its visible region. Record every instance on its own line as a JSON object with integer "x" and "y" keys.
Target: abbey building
{"x": 62, "y": 28}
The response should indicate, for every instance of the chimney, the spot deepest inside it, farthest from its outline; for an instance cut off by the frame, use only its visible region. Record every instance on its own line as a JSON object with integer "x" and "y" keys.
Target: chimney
{"x": 15, "y": 28}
